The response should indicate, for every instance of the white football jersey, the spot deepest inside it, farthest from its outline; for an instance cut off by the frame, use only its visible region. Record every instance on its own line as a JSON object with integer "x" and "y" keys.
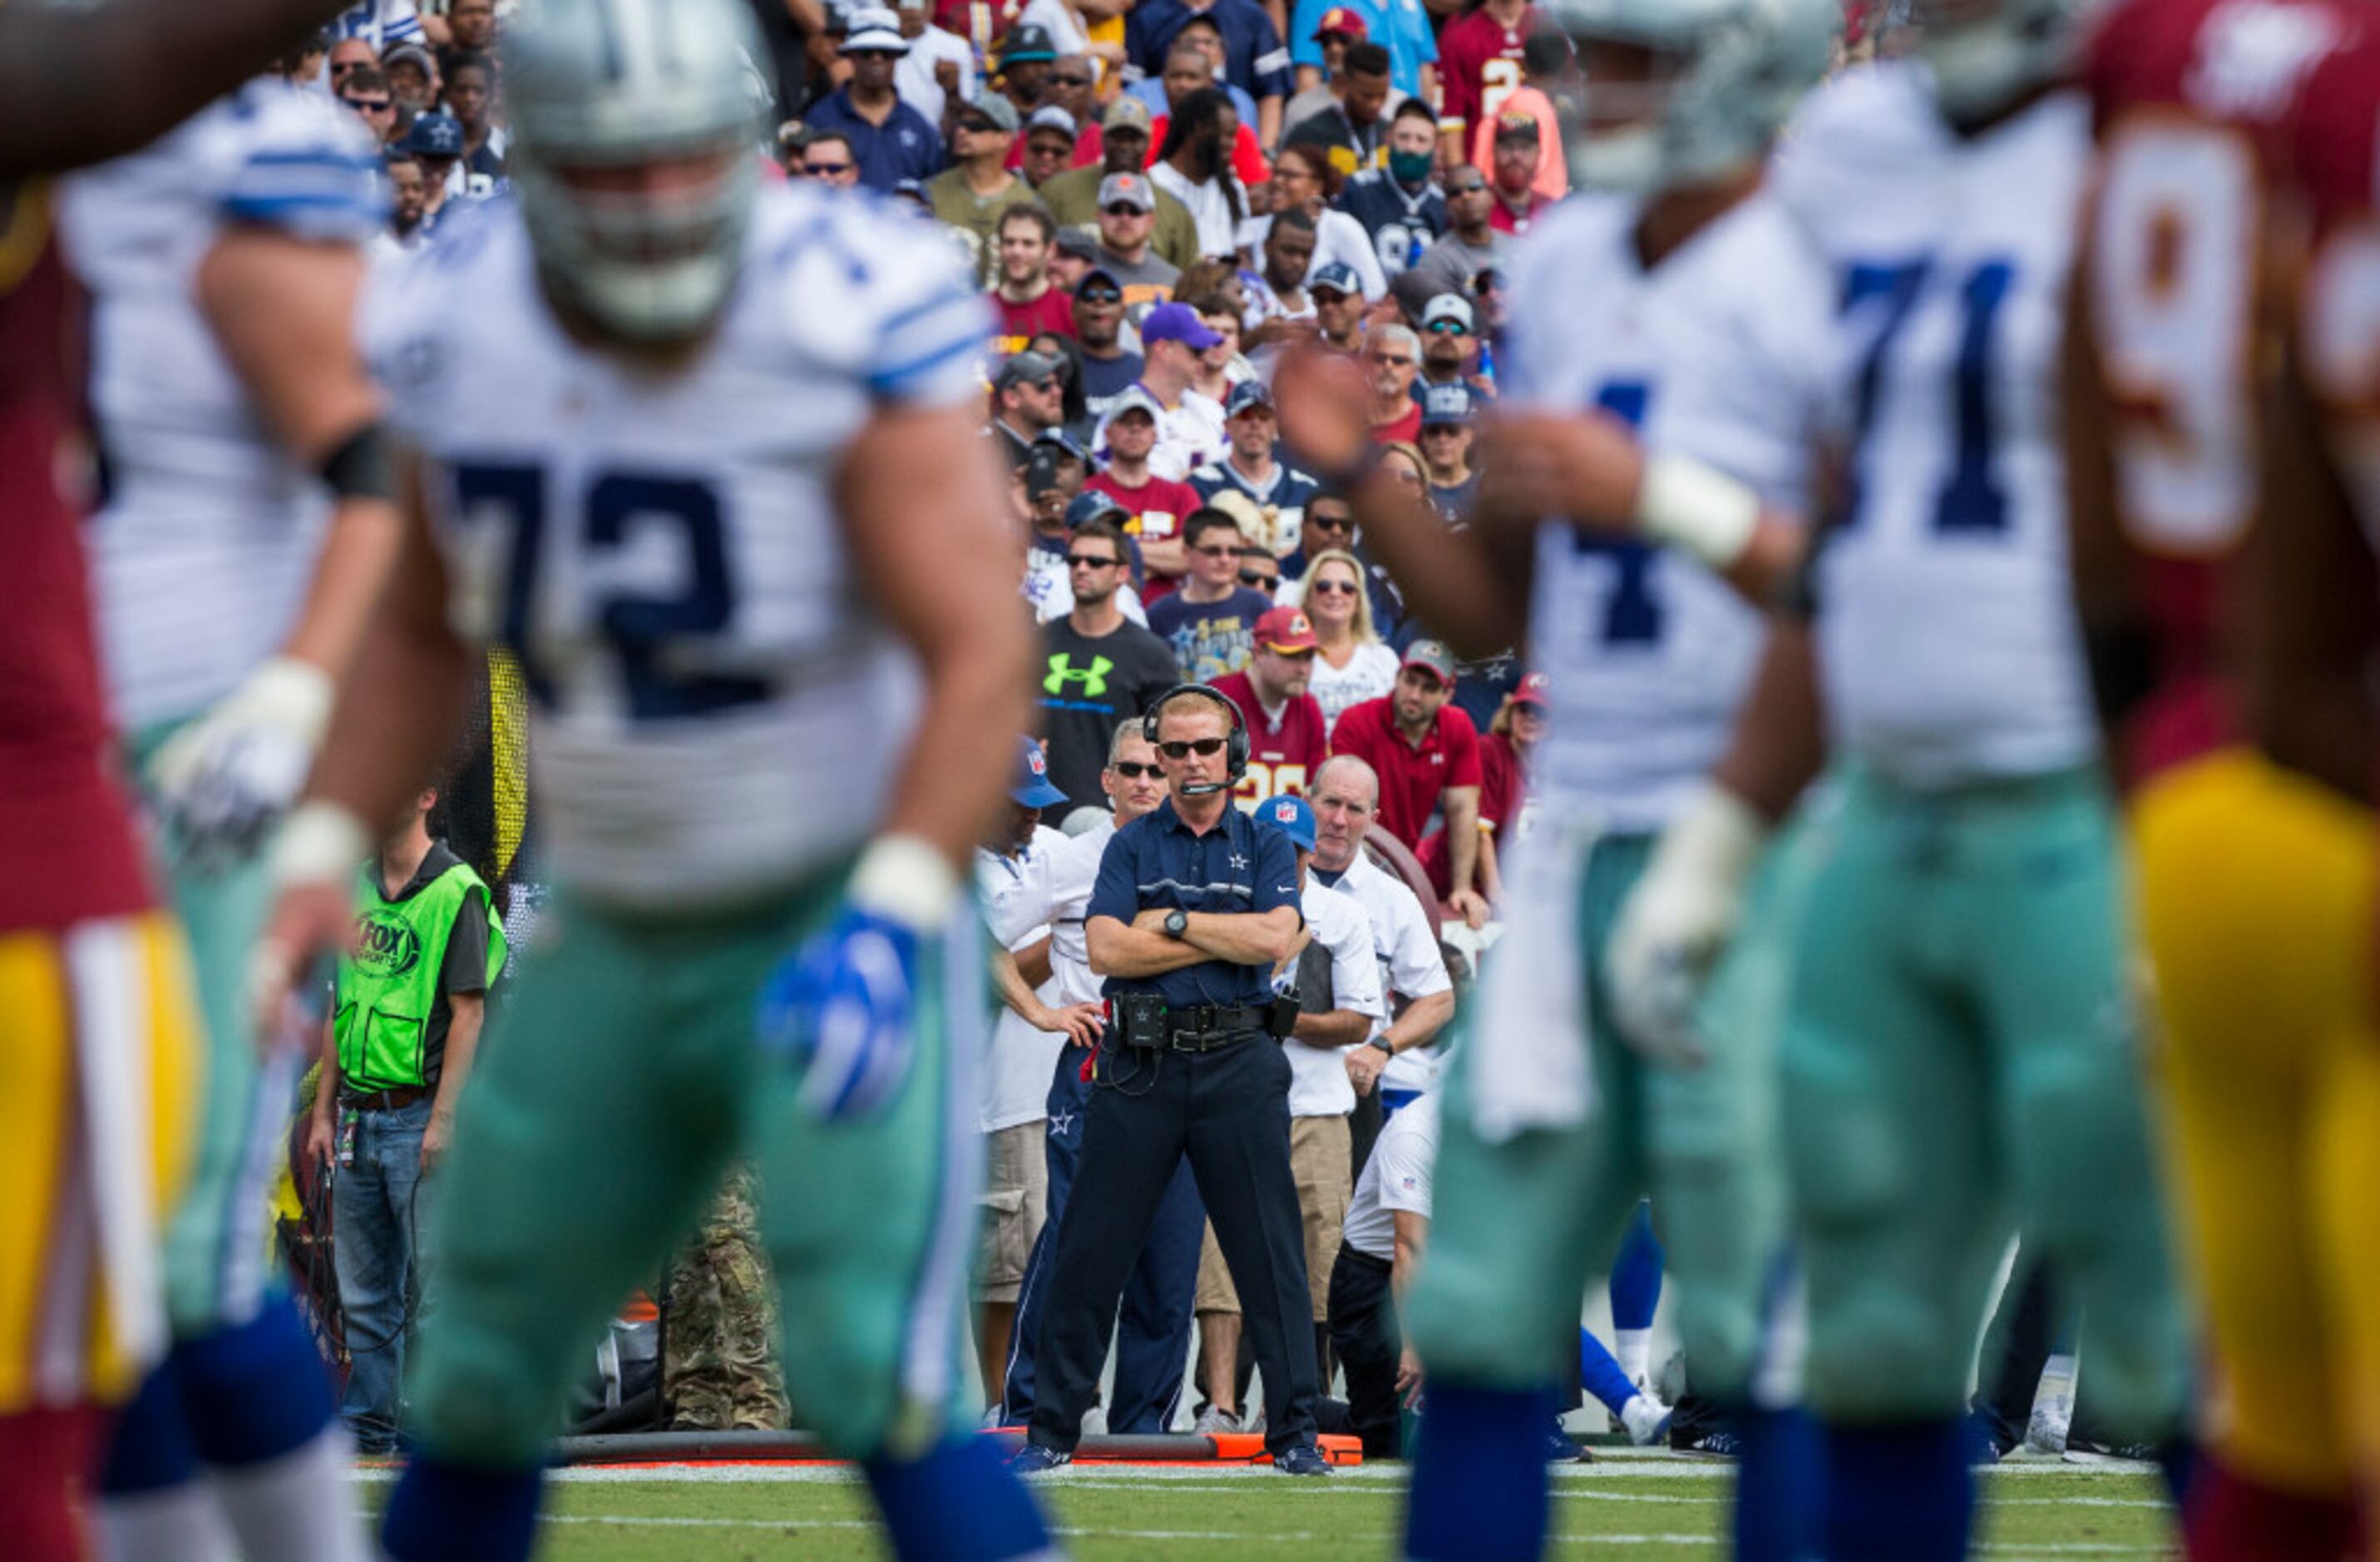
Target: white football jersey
{"x": 1720, "y": 352}
{"x": 1948, "y": 643}
{"x": 716, "y": 706}
{"x": 202, "y": 553}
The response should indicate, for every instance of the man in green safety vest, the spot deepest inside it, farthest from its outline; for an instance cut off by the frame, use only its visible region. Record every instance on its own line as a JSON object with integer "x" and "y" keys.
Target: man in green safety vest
{"x": 412, "y": 997}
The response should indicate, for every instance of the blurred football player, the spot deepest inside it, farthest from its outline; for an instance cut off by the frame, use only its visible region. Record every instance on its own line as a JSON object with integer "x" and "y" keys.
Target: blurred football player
{"x": 2253, "y": 882}
{"x": 703, "y": 456}
{"x": 1960, "y": 1045}
{"x": 100, "y": 1032}
{"x": 1679, "y": 304}
{"x": 2314, "y": 624}
{"x": 247, "y": 530}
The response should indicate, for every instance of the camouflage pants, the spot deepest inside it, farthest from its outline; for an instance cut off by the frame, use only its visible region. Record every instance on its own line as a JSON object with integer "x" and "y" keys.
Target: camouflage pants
{"x": 719, "y": 1340}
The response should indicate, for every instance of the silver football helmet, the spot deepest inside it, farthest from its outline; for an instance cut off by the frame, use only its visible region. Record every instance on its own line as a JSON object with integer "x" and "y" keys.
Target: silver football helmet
{"x": 633, "y": 123}
{"x": 1987, "y": 54}
{"x": 1730, "y": 73}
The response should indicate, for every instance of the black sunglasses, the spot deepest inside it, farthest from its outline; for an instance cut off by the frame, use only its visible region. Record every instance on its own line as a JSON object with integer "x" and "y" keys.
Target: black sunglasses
{"x": 1257, "y": 577}
{"x": 1133, "y": 770}
{"x": 1056, "y": 80}
{"x": 1084, "y": 561}
{"x": 1182, "y": 749}
{"x": 1100, "y": 295}
{"x": 976, "y": 127}
{"x": 1448, "y": 328}
{"x": 1124, "y": 208}
{"x": 1332, "y": 588}
{"x": 1330, "y": 523}
{"x": 367, "y": 106}
{"x": 820, "y": 170}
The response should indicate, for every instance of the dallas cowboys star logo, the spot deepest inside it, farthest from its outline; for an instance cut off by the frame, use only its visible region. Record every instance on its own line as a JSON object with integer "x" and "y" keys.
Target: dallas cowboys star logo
{"x": 1238, "y": 861}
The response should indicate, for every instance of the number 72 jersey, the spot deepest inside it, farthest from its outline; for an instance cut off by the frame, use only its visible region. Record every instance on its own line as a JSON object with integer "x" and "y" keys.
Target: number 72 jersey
{"x": 716, "y": 706}
{"x": 1948, "y": 644}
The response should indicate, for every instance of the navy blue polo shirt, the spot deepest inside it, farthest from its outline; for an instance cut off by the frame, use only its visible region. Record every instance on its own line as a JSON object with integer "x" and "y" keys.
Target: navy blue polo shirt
{"x": 907, "y": 147}
{"x": 1238, "y": 866}
{"x": 1255, "y": 59}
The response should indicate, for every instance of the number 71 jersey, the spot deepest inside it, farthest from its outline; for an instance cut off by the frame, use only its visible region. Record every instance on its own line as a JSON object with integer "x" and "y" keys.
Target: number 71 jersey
{"x": 716, "y": 707}
{"x": 1947, "y": 644}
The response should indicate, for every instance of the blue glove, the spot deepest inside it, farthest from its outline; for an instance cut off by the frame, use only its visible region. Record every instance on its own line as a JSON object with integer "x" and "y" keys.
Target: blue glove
{"x": 839, "y": 1012}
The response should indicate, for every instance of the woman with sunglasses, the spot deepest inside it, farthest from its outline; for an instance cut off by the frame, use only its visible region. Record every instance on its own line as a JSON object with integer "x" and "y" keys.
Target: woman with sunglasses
{"x": 1350, "y": 665}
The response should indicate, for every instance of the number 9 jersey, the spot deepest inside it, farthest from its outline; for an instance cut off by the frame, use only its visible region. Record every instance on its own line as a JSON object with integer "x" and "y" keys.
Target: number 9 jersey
{"x": 716, "y": 709}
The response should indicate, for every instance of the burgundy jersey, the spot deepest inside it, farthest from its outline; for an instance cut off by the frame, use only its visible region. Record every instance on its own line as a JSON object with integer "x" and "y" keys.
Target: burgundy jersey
{"x": 1282, "y": 755}
{"x": 2197, "y": 102}
{"x": 2336, "y": 163}
{"x": 66, "y": 847}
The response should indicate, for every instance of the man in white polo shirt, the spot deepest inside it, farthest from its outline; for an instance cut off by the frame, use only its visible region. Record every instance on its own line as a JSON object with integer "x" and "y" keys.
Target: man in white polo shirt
{"x": 1385, "y": 1229}
{"x": 1399, "y": 1060}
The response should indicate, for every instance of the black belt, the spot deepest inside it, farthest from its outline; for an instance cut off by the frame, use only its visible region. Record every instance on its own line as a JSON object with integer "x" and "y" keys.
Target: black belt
{"x": 1362, "y": 1260}
{"x": 1209, "y": 1027}
{"x": 387, "y": 1100}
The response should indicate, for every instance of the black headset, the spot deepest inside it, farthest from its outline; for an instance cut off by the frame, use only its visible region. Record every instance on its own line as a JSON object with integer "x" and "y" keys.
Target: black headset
{"x": 1235, "y": 750}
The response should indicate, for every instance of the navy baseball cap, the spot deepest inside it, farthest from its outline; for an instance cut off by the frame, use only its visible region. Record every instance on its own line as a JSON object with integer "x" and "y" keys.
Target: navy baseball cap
{"x": 1446, "y": 404}
{"x": 1060, "y": 439}
{"x": 1289, "y": 814}
{"x": 1246, "y": 394}
{"x": 1033, "y": 788}
{"x": 1339, "y": 276}
{"x": 1091, "y": 505}
{"x": 435, "y": 134}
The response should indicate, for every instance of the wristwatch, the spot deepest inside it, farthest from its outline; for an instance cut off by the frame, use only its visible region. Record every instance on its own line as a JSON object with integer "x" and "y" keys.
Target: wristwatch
{"x": 1177, "y": 923}
{"x": 1382, "y": 1042}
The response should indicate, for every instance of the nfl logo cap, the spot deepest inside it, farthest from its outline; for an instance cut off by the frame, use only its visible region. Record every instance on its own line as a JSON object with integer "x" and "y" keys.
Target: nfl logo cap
{"x": 1033, "y": 788}
{"x": 1289, "y": 814}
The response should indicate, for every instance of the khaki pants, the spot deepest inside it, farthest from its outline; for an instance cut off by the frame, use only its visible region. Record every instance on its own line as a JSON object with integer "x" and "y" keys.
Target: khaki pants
{"x": 1015, "y": 1198}
{"x": 1319, "y": 1152}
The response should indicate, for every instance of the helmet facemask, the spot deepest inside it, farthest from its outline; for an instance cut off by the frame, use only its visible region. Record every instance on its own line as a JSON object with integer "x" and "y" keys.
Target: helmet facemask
{"x": 648, "y": 249}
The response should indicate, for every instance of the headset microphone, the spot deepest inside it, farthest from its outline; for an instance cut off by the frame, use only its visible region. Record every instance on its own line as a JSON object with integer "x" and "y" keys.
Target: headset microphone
{"x": 1235, "y": 752}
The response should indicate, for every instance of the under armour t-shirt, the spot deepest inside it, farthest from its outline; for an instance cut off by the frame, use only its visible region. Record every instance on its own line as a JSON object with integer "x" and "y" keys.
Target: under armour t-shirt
{"x": 1084, "y": 686}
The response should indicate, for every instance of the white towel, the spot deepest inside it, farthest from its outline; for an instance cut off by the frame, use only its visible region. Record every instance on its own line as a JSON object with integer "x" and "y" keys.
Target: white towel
{"x": 1530, "y": 1046}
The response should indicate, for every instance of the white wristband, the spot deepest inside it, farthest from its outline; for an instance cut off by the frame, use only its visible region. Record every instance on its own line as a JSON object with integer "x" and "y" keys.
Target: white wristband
{"x": 906, "y": 879}
{"x": 1717, "y": 837}
{"x": 296, "y": 692}
{"x": 322, "y": 843}
{"x": 1696, "y": 508}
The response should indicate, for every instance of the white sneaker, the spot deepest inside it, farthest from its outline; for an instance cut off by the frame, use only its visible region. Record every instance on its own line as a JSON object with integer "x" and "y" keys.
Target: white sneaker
{"x": 1645, "y": 1420}
{"x": 1211, "y": 1421}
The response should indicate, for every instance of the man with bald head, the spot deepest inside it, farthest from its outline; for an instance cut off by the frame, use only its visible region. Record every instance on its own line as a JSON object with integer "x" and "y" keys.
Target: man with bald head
{"x": 1399, "y": 1060}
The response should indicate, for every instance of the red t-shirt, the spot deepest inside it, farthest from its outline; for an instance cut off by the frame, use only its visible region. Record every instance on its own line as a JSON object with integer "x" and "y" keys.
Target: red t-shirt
{"x": 1500, "y": 802}
{"x": 1282, "y": 757}
{"x": 1504, "y": 220}
{"x": 1403, "y": 431}
{"x": 1479, "y": 66}
{"x": 1019, "y": 324}
{"x": 1411, "y": 779}
{"x": 1158, "y": 505}
{"x": 1248, "y": 164}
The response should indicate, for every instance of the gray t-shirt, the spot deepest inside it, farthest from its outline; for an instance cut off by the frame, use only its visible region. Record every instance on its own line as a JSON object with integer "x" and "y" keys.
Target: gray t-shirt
{"x": 1450, "y": 263}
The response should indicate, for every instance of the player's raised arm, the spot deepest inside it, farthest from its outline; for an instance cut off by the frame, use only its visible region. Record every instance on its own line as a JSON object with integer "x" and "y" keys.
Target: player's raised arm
{"x": 85, "y": 84}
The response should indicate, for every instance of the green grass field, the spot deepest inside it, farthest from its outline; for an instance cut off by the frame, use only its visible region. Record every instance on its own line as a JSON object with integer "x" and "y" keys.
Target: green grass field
{"x": 1650, "y": 1508}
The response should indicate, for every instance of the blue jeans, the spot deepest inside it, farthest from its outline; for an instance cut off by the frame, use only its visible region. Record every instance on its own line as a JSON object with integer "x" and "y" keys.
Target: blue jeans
{"x": 375, "y": 1230}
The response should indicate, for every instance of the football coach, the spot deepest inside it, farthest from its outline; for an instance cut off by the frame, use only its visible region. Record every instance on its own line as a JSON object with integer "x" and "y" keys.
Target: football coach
{"x": 1194, "y": 908}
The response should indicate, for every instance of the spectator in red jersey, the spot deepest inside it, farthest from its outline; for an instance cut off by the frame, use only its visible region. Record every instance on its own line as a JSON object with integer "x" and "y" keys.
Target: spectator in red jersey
{"x": 1519, "y": 201}
{"x": 1027, "y": 302}
{"x": 1392, "y": 354}
{"x": 1427, "y": 753}
{"x": 1503, "y": 786}
{"x": 1479, "y": 66}
{"x": 1157, "y": 505}
{"x": 1211, "y": 623}
{"x": 1046, "y": 148}
{"x": 1287, "y": 738}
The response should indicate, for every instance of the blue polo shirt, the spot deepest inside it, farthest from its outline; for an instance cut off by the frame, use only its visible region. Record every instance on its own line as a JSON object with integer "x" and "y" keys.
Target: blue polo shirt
{"x": 906, "y": 146}
{"x": 1238, "y": 866}
{"x": 1254, "y": 58}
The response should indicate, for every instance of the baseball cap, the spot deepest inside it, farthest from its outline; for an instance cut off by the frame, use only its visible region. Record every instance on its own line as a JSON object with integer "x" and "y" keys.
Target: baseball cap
{"x": 1050, "y": 117}
{"x": 1128, "y": 113}
{"x": 1032, "y": 787}
{"x": 1090, "y": 504}
{"x": 874, "y": 29}
{"x": 1516, "y": 127}
{"x": 1024, "y": 368}
{"x": 1285, "y": 629}
{"x": 1136, "y": 398}
{"x": 1246, "y": 394}
{"x": 1074, "y": 242}
{"x": 1132, "y": 189}
{"x": 1289, "y": 815}
{"x": 413, "y": 52}
{"x": 1536, "y": 689}
{"x": 1446, "y": 404}
{"x": 1174, "y": 323}
{"x": 1449, "y": 306}
{"x": 1429, "y": 653}
{"x": 1028, "y": 41}
{"x": 1339, "y": 276}
{"x": 1057, "y": 438}
{"x": 995, "y": 107}
{"x": 435, "y": 134}
{"x": 1344, "y": 21}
